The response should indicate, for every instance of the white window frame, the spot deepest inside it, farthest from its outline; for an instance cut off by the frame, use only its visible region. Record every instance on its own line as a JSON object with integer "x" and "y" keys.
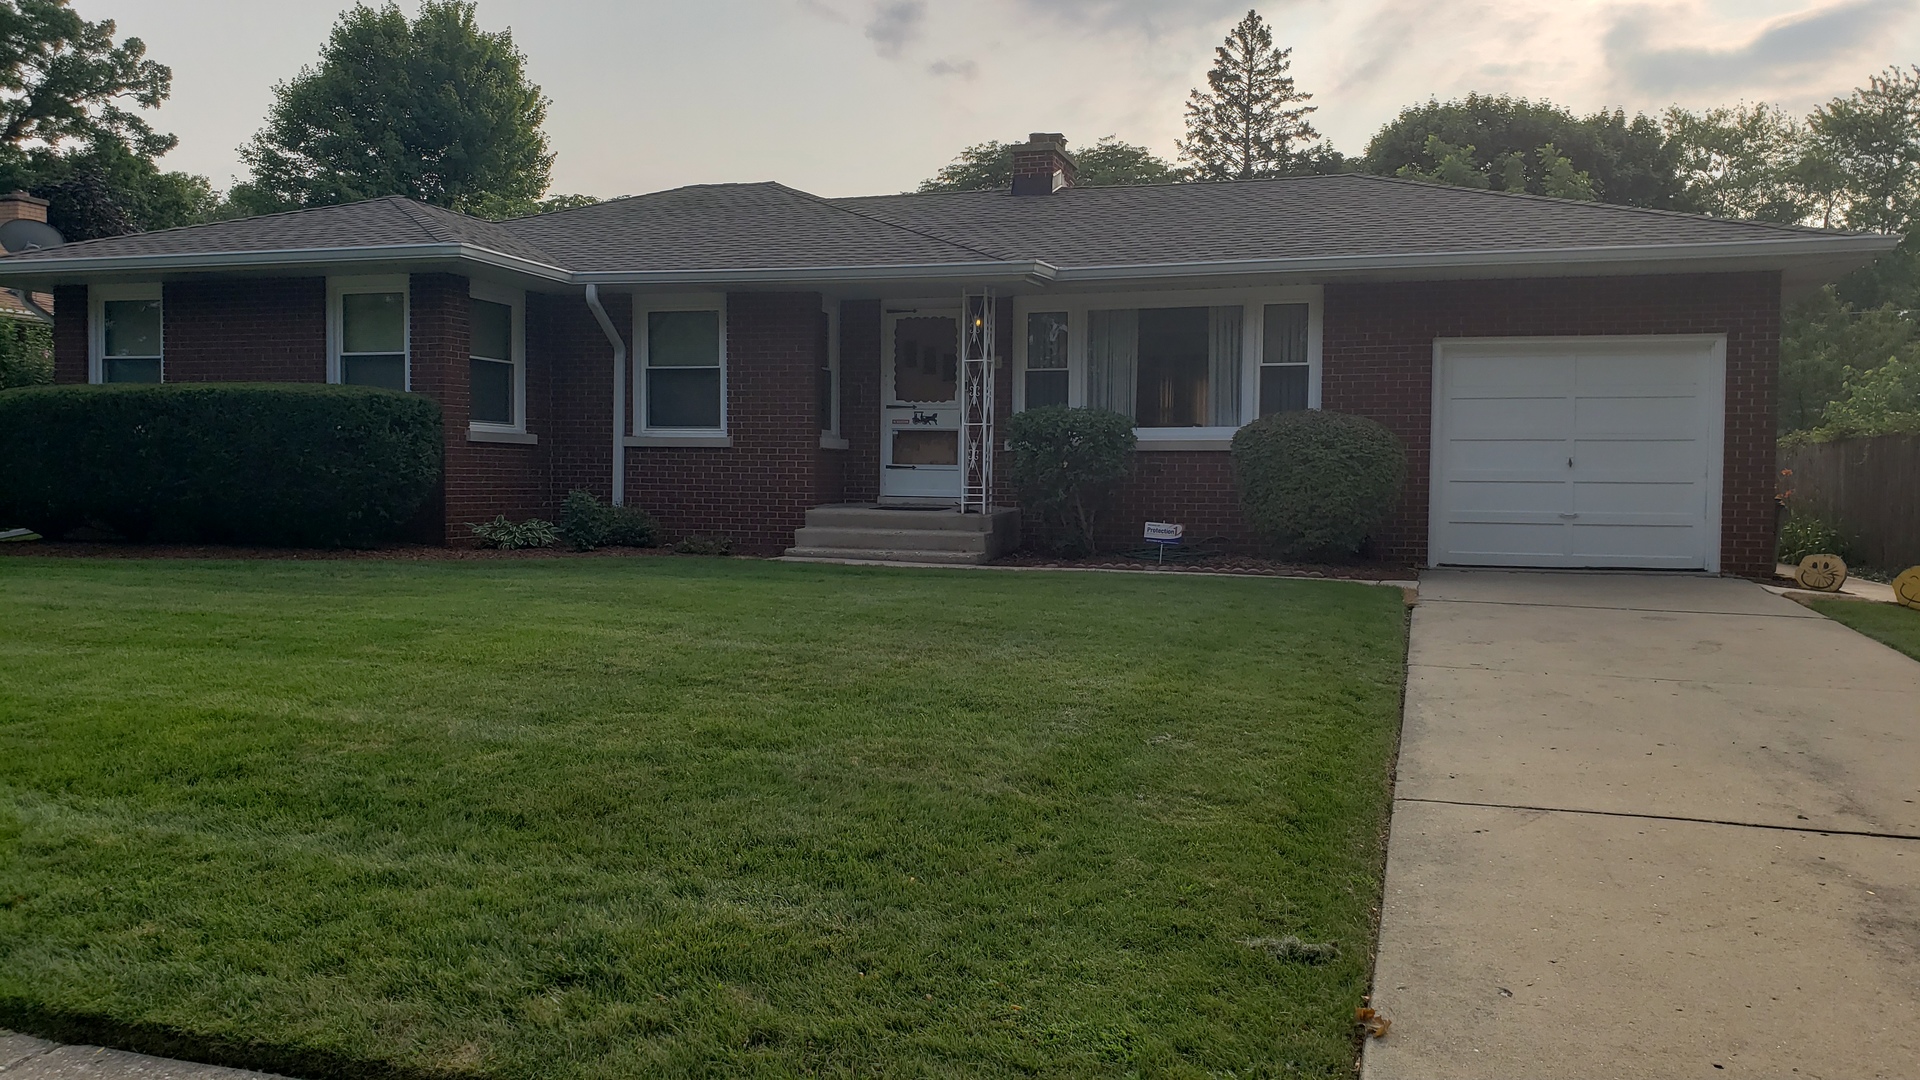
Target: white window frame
{"x": 97, "y": 297}
{"x": 338, "y": 287}
{"x": 644, "y": 306}
{"x": 516, "y": 299}
{"x": 829, "y": 435}
{"x": 1252, "y": 329}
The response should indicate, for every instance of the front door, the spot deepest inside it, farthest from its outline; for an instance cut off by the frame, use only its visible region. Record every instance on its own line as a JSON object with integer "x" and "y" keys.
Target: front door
{"x": 920, "y": 408}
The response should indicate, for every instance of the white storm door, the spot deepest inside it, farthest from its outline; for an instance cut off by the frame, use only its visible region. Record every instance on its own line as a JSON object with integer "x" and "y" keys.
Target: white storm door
{"x": 920, "y": 407}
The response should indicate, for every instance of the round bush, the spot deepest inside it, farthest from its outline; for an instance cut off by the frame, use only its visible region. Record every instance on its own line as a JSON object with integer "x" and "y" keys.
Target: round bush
{"x": 1316, "y": 483}
{"x": 294, "y": 465}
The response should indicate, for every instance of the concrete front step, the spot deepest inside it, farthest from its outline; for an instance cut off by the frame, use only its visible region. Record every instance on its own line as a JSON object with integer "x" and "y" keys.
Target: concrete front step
{"x": 870, "y": 533}
{"x": 890, "y": 555}
{"x": 893, "y": 539}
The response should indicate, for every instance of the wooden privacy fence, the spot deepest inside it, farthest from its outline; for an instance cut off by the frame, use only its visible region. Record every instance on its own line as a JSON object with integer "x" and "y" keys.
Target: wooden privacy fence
{"x": 1869, "y": 487}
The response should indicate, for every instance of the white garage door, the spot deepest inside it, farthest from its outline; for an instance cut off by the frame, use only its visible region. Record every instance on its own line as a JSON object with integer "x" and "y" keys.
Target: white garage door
{"x": 1578, "y": 452}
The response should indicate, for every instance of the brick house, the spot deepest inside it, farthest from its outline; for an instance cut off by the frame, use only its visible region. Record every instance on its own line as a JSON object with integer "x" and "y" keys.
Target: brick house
{"x": 1577, "y": 384}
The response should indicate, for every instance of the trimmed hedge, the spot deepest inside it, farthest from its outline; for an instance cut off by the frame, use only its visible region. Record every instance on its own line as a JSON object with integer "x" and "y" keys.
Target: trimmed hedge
{"x": 1067, "y": 462}
{"x": 587, "y": 524}
{"x": 247, "y": 463}
{"x": 1316, "y": 483}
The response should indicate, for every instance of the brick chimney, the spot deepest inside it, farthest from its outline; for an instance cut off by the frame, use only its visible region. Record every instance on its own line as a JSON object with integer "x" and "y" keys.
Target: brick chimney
{"x": 1041, "y": 165}
{"x": 19, "y": 205}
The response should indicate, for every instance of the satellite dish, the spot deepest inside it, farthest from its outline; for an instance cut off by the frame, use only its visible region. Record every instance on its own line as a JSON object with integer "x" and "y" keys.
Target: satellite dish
{"x": 26, "y": 234}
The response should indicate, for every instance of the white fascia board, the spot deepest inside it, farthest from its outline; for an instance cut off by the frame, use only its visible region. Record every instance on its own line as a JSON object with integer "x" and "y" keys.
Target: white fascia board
{"x": 213, "y": 262}
{"x": 1650, "y": 256}
{"x": 1030, "y": 271}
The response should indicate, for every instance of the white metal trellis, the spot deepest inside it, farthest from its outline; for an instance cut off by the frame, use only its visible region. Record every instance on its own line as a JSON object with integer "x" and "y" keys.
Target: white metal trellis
{"x": 976, "y": 402}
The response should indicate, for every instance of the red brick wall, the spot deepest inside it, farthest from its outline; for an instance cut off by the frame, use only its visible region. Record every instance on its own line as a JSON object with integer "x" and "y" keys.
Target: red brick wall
{"x": 860, "y": 335}
{"x": 577, "y": 389}
{"x": 256, "y": 330}
{"x": 70, "y": 334}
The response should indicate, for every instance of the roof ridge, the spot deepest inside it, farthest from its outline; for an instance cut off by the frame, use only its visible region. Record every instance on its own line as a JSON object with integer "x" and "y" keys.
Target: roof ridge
{"x": 426, "y": 221}
{"x": 948, "y": 241}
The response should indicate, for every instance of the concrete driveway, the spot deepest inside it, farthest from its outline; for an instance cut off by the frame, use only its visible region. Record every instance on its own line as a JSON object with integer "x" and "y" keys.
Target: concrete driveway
{"x": 1649, "y": 826}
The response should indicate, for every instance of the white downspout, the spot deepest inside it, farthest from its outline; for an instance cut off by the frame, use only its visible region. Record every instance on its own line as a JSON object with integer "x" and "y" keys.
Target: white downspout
{"x": 619, "y": 394}
{"x": 26, "y": 300}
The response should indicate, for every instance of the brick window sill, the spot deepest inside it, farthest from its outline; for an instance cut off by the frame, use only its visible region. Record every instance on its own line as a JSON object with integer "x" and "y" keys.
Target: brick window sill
{"x": 679, "y": 440}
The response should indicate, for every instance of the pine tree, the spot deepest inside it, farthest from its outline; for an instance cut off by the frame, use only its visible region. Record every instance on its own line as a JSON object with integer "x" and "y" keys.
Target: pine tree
{"x": 1248, "y": 121}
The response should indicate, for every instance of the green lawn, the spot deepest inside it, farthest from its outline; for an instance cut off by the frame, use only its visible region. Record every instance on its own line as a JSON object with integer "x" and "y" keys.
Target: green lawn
{"x": 1891, "y": 624}
{"x": 685, "y": 817}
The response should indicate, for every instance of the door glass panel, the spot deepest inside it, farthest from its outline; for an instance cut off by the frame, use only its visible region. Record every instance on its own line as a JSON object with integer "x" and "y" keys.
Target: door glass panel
{"x": 926, "y": 448}
{"x": 926, "y": 360}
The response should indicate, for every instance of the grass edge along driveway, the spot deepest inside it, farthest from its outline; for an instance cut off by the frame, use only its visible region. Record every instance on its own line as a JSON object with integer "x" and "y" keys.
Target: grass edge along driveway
{"x": 692, "y": 817}
{"x": 1896, "y": 627}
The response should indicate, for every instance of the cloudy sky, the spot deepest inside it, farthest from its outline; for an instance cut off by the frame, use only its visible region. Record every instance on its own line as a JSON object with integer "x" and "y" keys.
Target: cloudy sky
{"x": 847, "y": 97}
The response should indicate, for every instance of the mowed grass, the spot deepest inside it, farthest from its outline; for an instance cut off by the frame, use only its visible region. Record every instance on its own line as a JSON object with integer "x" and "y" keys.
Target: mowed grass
{"x": 682, "y": 817}
{"x": 1892, "y": 625}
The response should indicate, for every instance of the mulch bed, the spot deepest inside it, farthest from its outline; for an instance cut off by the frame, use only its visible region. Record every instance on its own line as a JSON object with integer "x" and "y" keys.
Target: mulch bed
{"x": 1251, "y": 565}
{"x": 400, "y": 552}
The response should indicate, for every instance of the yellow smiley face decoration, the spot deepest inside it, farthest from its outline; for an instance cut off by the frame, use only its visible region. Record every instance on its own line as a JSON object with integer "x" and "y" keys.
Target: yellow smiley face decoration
{"x": 1822, "y": 573}
{"x": 1906, "y": 588}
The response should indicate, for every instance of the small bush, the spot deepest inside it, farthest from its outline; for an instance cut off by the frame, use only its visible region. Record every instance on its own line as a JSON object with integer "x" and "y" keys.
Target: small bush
{"x": 587, "y": 523}
{"x": 1316, "y": 483}
{"x": 1803, "y": 534}
{"x": 26, "y": 353}
{"x": 514, "y": 535}
{"x": 704, "y": 545}
{"x": 306, "y": 465}
{"x": 1066, "y": 464}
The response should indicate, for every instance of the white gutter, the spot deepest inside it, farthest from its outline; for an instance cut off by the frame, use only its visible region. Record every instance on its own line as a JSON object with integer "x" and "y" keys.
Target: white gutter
{"x": 619, "y": 393}
{"x": 1033, "y": 270}
{"x": 61, "y": 266}
{"x": 1523, "y": 257}
{"x": 26, "y": 301}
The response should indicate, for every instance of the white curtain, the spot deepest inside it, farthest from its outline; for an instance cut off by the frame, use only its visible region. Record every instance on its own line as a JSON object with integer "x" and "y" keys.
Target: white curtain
{"x": 1113, "y": 359}
{"x": 1223, "y": 366}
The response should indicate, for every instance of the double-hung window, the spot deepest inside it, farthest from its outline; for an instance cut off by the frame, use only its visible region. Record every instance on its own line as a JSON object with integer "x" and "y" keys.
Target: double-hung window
{"x": 1046, "y": 375}
{"x": 682, "y": 384}
{"x": 497, "y": 329}
{"x": 1284, "y": 365}
{"x": 127, "y": 334}
{"x": 368, "y": 318}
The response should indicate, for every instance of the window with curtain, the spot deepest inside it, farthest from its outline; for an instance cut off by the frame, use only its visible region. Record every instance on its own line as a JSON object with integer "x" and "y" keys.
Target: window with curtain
{"x": 494, "y": 377}
{"x": 1166, "y": 367}
{"x": 1283, "y": 359}
{"x": 1046, "y": 378}
{"x": 131, "y": 341}
{"x": 373, "y": 339}
{"x": 683, "y": 370}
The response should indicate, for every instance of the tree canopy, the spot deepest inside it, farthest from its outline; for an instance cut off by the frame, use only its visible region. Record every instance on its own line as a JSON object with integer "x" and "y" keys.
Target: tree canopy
{"x": 70, "y": 124}
{"x": 1250, "y": 119}
{"x": 433, "y": 108}
{"x": 988, "y": 166}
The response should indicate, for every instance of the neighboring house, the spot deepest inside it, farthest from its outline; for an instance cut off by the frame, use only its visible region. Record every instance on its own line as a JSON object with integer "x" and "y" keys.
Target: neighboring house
{"x": 1577, "y": 384}
{"x": 14, "y": 207}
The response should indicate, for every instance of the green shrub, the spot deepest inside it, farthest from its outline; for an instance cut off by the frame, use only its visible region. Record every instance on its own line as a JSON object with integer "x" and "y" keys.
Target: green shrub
{"x": 1803, "y": 534}
{"x": 26, "y": 353}
{"x": 704, "y": 545}
{"x": 514, "y": 535}
{"x": 224, "y": 463}
{"x": 587, "y": 523}
{"x": 1316, "y": 483}
{"x": 1066, "y": 464}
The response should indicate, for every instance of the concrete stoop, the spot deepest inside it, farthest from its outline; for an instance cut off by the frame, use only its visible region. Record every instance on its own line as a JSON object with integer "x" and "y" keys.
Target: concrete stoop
{"x": 864, "y": 532}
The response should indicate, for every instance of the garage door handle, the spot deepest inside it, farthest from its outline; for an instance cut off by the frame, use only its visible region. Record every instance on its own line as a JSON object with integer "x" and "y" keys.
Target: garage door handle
{"x": 1569, "y": 517}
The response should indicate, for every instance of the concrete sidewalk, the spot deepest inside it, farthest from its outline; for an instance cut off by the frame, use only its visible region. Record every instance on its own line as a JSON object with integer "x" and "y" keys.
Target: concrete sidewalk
{"x": 23, "y": 1057}
{"x": 1649, "y": 826}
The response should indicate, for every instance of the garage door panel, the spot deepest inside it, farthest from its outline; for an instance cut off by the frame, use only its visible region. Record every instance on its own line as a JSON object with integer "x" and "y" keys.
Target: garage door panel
{"x": 1517, "y": 497}
{"x": 1650, "y": 459}
{"x": 1515, "y": 417}
{"x": 1504, "y": 374}
{"x": 1637, "y": 416}
{"x": 1575, "y": 453}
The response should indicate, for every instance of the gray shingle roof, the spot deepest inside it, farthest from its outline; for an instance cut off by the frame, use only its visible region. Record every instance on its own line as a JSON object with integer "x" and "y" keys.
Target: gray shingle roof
{"x": 731, "y": 226}
{"x": 385, "y": 222}
{"x": 1299, "y": 217}
{"x": 768, "y": 227}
